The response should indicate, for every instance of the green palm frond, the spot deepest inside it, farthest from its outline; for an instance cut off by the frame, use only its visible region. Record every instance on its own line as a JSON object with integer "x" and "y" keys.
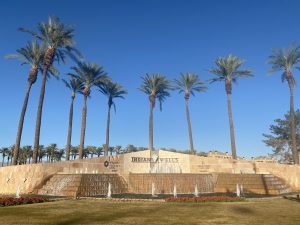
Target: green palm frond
{"x": 57, "y": 35}
{"x": 112, "y": 90}
{"x": 89, "y": 74}
{"x": 74, "y": 84}
{"x": 228, "y": 68}
{"x": 156, "y": 85}
{"x": 189, "y": 83}
{"x": 33, "y": 54}
{"x": 284, "y": 60}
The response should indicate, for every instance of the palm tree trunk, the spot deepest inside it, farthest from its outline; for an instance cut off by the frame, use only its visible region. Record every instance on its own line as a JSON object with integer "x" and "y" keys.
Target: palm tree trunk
{"x": 39, "y": 117}
{"x": 189, "y": 125}
{"x": 232, "y": 138}
{"x": 151, "y": 127}
{"x": 20, "y": 126}
{"x": 83, "y": 126}
{"x": 3, "y": 160}
{"x": 292, "y": 123}
{"x": 107, "y": 131}
{"x": 70, "y": 130}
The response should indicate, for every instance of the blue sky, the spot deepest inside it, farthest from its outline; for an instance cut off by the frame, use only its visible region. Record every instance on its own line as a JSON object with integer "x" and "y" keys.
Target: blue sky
{"x": 130, "y": 38}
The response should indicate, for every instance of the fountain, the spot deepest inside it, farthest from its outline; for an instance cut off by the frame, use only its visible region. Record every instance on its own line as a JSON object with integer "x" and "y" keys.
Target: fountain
{"x": 196, "y": 193}
{"x": 153, "y": 190}
{"x": 76, "y": 171}
{"x": 96, "y": 171}
{"x": 18, "y": 192}
{"x": 242, "y": 190}
{"x": 238, "y": 191}
{"x": 81, "y": 171}
{"x": 86, "y": 170}
{"x": 109, "y": 191}
{"x": 93, "y": 171}
{"x": 175, "y": 191}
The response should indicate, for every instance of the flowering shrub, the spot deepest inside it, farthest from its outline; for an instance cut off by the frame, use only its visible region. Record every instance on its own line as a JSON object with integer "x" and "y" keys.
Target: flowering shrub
{"x": 8, "y": 201}
{"x": 221, "y": 198}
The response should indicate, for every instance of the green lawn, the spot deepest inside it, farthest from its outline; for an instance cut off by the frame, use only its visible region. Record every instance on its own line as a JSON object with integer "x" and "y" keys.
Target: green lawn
{"x": 263, "y": 211}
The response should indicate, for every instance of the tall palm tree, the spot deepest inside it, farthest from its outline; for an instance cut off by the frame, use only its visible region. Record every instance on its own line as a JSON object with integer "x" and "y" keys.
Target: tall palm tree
{"x": 189, "y": 84}
{"x": 285, "y": 60}
{"x": 59, "y": 40}
{"x": 90, "y": 74}
{"x": 76, "y": 86}
{"x": 32, "y": 54}
{"x": 111, "y": 90}
{"x": 156, "y": 86}
{"x": 228, "y": 70}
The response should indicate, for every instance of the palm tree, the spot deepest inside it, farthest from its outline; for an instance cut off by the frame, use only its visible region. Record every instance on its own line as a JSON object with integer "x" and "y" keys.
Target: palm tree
{"x": 92, "y": 150}
{"x": 59, "y": 40}
{"x": 156, "y": 86}
{"x": 111, "y": 91}
{"x": 228, "y": 70}
{"x": 90, "y": 74}
{"x": 118, "y": 149}
{"x": 41, "y": 153}
{"x": 76, "y": 86}
{"x": 33, "y": 55}
{"x": 189, "y": 84}
{"x": 27, "y": 151}
{"x": 99, "y": 151}
{"x": 51, "y": 149}
{"x": 74, "y": 151}
{"x": 4, "y": 152}
{"x": 284, "y": 60}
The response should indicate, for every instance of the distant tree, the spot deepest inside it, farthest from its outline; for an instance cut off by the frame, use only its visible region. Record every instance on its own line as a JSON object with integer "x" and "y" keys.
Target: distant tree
{"x": 228, "y": 70}
{"x": 99, "y": 151}
{"x": 76, "y": 86}
{"x": 285, "y": 60}
{"x": 189, "y": 84}
{"x": 130, "y": 148}
{"x": 59, "y": 41}
{"x": 90, "y": 74}
{"x": 155, "y": 86}
{"x": 51, "y": 149}
{"x": 280, "y": 138}
{"x": 4, "y": 153}
{"x": 112, "y": 91}
{"x": 41, "y": 153}
{"x": 27, "y": 151}
{"x": 92, "y": 150}
{"x": 74, "y": 151}
{"x": 118, "y": 149}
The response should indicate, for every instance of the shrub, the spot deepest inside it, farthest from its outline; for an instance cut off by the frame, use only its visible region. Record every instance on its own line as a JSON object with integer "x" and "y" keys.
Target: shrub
{"x": 9, "y": 201}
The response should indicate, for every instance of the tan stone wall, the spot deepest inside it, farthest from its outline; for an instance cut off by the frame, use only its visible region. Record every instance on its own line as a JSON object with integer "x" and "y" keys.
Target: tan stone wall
{"x": 30, "y": 177}
{"x": 289, "y": 173}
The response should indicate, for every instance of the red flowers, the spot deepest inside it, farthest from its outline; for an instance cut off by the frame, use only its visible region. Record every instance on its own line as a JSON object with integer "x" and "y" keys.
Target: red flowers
{"x": 8, "y": 201}
{"x": 204, "y": 199}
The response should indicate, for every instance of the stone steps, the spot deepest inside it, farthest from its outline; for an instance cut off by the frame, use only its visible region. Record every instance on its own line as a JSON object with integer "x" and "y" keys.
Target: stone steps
{"x": 83, "y": 185}
{"x": 252, "y": 183}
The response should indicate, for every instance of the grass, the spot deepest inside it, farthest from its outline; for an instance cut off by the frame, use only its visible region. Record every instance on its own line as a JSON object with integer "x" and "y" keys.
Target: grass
{"x": 254, "y": 211}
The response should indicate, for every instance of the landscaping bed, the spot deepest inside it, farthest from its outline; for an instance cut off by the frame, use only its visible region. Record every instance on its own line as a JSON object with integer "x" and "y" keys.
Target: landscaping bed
{"x": 11, "y": 201}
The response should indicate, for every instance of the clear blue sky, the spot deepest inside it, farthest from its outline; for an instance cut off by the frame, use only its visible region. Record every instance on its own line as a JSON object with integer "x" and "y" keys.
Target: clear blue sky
{"x": 130, "y": 38}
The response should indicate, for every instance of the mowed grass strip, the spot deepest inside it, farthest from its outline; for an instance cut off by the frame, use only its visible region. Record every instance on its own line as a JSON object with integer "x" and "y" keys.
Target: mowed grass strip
{"x": 267, "y": 211}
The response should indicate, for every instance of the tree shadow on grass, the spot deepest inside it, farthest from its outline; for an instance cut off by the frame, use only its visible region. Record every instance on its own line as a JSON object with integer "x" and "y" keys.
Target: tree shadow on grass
{"x": 243, "y": 210}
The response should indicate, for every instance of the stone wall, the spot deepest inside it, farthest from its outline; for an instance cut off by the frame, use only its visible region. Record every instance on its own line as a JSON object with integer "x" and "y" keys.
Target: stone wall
{"x": 31, "y": 177}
